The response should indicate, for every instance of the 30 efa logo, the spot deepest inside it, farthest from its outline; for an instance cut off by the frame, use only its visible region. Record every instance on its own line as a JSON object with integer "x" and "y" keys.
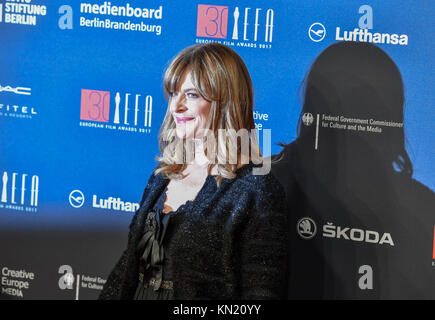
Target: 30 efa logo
{"x": 251, "y": 27}
{"x": 132, "y": 112}
{"x": 306, "y": 228}
{"x": 212, "y": 21}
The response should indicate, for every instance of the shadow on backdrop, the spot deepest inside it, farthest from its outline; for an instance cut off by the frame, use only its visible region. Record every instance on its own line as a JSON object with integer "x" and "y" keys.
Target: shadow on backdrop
{"x": 371, "y": 233}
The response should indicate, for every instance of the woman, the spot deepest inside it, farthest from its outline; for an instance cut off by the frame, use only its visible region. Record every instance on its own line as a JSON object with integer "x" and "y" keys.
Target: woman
{"x": 205, "y": 229}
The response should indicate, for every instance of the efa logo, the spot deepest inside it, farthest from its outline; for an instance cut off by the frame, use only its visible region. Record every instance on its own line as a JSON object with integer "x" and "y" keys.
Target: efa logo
{"x": 212, "y": 21}
{"x": 248, "y": 24}
{"x": 95, "y": 105}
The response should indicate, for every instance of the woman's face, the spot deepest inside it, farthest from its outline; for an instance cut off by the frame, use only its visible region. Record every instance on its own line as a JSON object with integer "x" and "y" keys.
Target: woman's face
{"x": 189, "y": 109}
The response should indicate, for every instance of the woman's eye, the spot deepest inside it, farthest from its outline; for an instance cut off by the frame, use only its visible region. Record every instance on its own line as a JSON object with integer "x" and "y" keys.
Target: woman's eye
{"x": 192, "y": 95}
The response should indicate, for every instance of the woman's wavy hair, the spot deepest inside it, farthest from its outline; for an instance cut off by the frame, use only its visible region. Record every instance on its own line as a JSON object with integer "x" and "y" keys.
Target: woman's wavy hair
{"x": 221, "y": 77}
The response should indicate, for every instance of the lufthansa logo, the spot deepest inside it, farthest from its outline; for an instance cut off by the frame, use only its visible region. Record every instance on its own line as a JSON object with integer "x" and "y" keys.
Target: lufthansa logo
{"x": 306, "y": 228}
{"x": 317, "y": 32}
{"x": 76, "y": 198}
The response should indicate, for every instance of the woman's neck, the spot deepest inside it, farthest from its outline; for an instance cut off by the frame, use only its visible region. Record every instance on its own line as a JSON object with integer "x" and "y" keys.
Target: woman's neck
{"x": 200, "y": 162}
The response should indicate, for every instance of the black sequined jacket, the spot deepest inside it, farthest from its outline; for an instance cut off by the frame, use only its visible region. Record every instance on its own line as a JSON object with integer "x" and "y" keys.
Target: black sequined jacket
{"x": 233, "y": 244}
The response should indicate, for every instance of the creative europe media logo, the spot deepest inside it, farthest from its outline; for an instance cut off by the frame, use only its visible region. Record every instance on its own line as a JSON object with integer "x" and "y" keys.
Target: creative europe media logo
{"x": 235, "y": 26}
{"x": 15, "y": 282}
{"x": 132, "y": 112}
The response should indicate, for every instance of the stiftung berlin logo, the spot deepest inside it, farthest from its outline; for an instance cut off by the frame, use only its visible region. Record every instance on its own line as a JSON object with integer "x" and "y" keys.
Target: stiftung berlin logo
{"x": 21, "y": 13}
{"x": 317, "y": 32}
{"x": 76, "y": 199}
{"x": 306, "y": 228}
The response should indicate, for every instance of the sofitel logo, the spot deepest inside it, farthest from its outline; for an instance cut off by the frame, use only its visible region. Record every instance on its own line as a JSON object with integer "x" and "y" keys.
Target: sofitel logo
{"x": 23, "y": 199}
{"x": 255, "y": 25}
{"x": 132, "y": 112}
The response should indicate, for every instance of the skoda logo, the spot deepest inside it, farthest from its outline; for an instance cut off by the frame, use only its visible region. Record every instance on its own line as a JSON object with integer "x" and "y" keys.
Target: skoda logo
{"x": 317, "y": 32}
{"x": 306, "y": 228}
{"x": 76, "y": 199}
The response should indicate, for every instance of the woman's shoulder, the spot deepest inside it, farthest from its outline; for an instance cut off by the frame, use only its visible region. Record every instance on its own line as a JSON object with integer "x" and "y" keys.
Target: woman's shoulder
{"x": 261, "y": 195}
{"x": 255, "y": 177}
{"x": 154, "y": 181}
{"x": 263, "y": 186}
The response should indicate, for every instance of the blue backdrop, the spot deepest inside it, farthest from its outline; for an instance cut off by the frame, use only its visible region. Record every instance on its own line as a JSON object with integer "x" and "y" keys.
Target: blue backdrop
{"x": 58, "y": 72}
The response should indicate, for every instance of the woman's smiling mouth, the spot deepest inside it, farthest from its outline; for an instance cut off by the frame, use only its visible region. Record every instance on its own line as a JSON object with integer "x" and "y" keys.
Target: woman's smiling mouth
{"x": 184, "y": 119}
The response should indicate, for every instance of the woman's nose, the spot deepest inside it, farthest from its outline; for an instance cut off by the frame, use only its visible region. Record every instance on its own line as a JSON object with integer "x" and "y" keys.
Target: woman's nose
{"x": 180, "y": 105}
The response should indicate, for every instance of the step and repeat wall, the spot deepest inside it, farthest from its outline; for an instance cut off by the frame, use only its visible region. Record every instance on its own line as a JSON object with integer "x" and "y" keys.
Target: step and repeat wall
{"x": 81, "y": 103}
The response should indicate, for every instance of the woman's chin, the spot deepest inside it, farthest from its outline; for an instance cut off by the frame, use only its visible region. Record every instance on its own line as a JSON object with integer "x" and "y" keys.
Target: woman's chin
{"x": 184, "y": 135}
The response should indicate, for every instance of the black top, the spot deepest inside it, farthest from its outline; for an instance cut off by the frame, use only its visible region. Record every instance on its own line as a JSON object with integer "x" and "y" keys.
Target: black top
{"x": 232, "y": 243}
{"x": 155, "y": 272}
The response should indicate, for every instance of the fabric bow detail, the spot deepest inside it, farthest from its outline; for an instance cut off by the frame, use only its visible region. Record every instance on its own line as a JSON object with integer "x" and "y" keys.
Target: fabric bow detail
{"x": 153, "y": 251}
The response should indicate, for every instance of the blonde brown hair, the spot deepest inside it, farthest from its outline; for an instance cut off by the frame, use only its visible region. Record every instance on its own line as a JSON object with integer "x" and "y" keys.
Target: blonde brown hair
{"x": 221, "y": 77}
